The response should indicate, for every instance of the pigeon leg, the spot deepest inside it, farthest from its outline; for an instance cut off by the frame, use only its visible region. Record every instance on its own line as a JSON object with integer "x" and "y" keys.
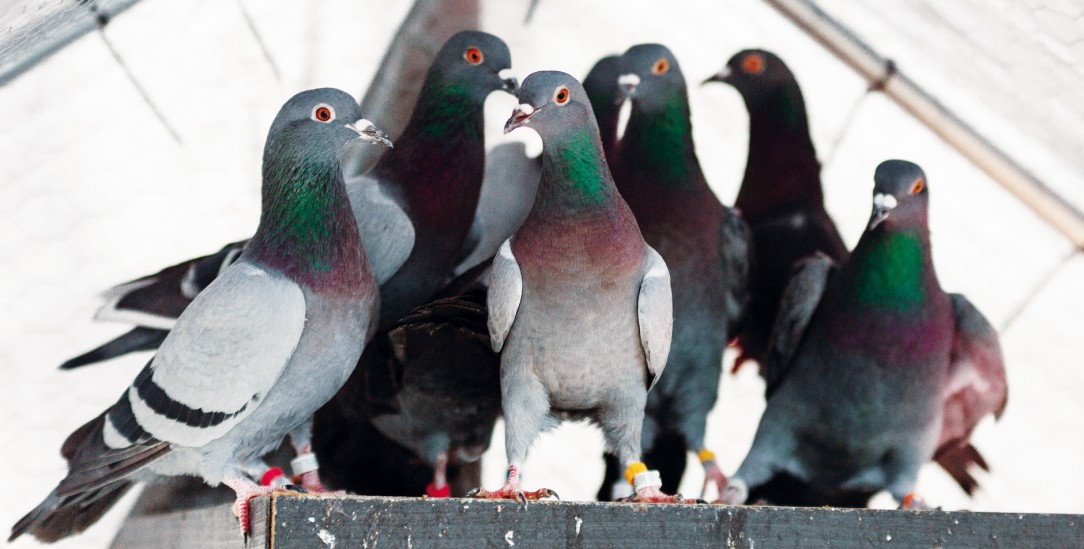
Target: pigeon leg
{"x": 648, "y": 487}
{"x": 305, "y": 467}
{"x": 622, "y": 430}
{"x": 246, "y": 490}
{"x": 902, "y": 472}
{"x": 511, "y": 490}
{"x": 712, "y": 473}
{"x": 526, "y": 407}
{"x": 439, "y": 487}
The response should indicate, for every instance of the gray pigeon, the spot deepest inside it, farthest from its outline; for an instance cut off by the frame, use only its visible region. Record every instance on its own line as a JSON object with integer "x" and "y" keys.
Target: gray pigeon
{"x": 705, "y": 245}
{"x": 872, "y": 369}
{"x": 256, "y": 353}
{"x": 579, "y": 304}
{"x": 427, "y": 188}
{"x": 414, "y": 209}
{"x": 780, "y": 197}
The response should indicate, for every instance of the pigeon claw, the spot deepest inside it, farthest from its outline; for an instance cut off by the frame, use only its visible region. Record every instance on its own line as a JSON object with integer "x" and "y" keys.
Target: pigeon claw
{"x": 652, "y": 494}
{"x": 240, "y": 506}
{"x": 513, "y": 493}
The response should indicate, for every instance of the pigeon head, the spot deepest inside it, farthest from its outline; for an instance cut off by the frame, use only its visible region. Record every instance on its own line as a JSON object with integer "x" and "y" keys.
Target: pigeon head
{"x": 754, "y": 71}
{"x": 476, "y": 60}
{"x": 324, "y": 119}
{"x": 306, "y": 228}
{"x": 900, "y": 195}
{"x": 550, "y": 102}
{"x": 649, "y": 76}
{"x": 601, "y": 83}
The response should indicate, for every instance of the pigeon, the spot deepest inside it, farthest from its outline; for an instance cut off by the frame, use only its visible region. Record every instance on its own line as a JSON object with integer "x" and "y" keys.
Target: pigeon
{"x": 414, "y": 208}
{"x": 579, "y": 305}
{"x": 255, "y": 354}
{"x": 780, "y": 196}
{"x": 433, "y": 176}
{"x": 704, "y": 244}
{"x": 872, "y": 370}
{"x": 432, "y": 385}
{"x": 601, "y": 87}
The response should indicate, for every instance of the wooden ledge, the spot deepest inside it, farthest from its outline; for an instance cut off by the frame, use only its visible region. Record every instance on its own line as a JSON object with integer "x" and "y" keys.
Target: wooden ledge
{"x": 288, "y": 521}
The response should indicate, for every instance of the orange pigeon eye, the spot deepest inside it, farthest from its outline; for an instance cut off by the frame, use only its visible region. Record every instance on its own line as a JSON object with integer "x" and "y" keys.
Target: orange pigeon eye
{"x": 917, "y": 187}
{"x": 561, "y": 96}
{"x": 661, "y": 66}
{"x": 474, "y": 56}
{"x": 753, "y": 63}
{"x": 323, "y": 113}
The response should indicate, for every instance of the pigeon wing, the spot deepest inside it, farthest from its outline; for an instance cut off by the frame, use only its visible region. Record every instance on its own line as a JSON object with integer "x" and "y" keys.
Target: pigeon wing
{"x": 155, "y": 301}
{"x": 385, "y": 228}
{"x": 735, "y": 250}
{"x": 975, "y": 384}
{"x": 655, "y": 311}
{"x": 505, "y": 292}
{"x": 796, "y": 307}
{"x": 222, "y": 357}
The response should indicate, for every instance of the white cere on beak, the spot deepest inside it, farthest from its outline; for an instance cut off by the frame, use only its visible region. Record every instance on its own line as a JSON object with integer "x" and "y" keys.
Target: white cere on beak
{"x": 523, "y": 109}
{"x": 885, "y": 201}
{"x": 506, "y": 74}
{"x": 628, "y": 80}
{"x": 361, "y": 125}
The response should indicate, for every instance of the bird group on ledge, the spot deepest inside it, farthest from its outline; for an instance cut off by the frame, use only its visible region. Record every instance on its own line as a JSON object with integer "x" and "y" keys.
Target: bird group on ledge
{"x": 384, "y": 321}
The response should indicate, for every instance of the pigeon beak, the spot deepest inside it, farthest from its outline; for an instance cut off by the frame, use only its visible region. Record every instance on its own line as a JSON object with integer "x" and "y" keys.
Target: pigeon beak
{"x": 627, "y": 83}
{"x": 509, "y": 79}
{"x": 368, "y": 132}
{"x": 721, "y": 76}
{"x": 882, "y": 206}
{"x": 521, "y": 116}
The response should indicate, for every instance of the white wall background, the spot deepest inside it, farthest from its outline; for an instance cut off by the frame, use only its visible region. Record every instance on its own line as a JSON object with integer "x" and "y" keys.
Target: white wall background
{"x": 93, "y": 192}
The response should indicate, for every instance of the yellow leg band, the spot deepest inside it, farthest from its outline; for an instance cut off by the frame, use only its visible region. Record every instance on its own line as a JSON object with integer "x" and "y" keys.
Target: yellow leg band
{"x": 705, "y": 455}
{"x": 633, "y": 470}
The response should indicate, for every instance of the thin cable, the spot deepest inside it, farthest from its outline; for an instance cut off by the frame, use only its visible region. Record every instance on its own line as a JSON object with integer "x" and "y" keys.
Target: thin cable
{"x": 103, "y": 20}
{"x": 259, "y": 40}
{"x": 1043, "y": 283}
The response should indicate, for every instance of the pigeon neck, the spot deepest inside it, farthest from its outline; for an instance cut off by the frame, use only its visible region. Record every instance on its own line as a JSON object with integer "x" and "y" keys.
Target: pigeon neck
{"x": 307, "y": 230}
{"x": 659, "y": 142}
{"x": 891, "y": 270}
{"x": 606, "y": 109}
{"x": 575, "y": 177}
{"x": 782, "y": 171}
{"x": 578, "y": 224}
{"x": 437, "y": 162}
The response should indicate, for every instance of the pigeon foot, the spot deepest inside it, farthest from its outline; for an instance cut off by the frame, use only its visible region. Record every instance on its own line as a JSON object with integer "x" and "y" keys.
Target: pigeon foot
{"x": 653, "y": 494}
{"x": 246, "y": 490}
{"x": 735, "y": 493}
{"x": 513, "y": 492}
{"x": 914, "y": 502}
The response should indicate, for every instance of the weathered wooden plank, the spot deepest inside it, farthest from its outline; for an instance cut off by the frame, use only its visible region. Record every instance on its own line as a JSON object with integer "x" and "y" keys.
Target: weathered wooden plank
{"x": 306, "y": 521}
{"x": 180, "y": 513}
{"x": 186, "y": 514}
